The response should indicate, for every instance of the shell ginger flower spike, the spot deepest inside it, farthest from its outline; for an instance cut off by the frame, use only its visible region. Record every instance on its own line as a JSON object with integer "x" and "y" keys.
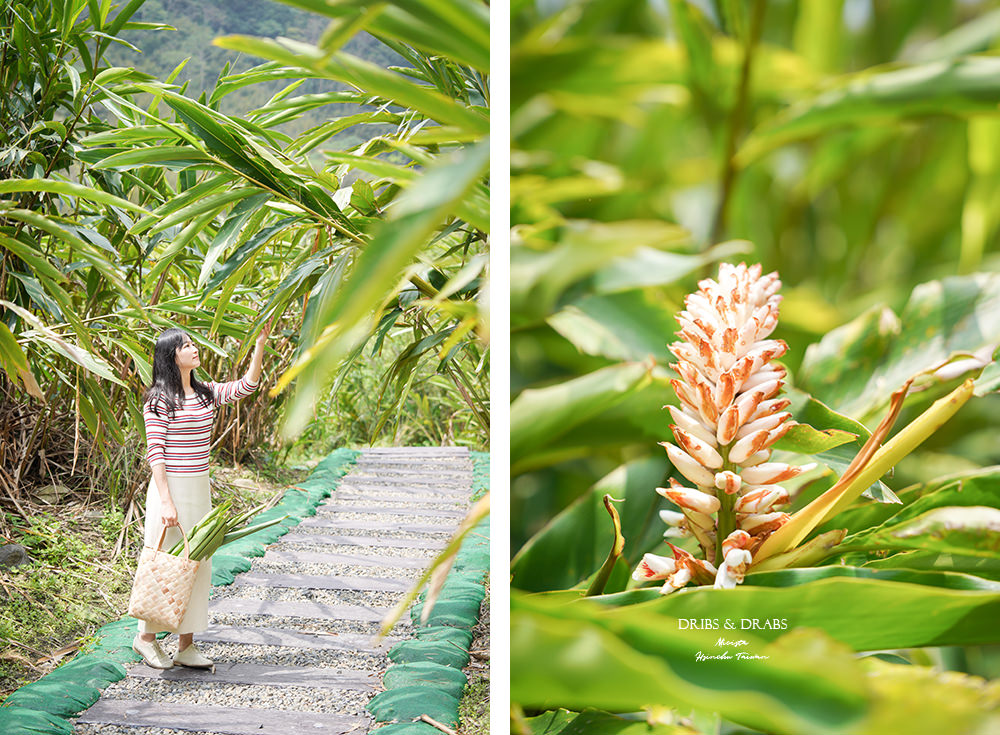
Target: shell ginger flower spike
{"x": 728, "y": 418}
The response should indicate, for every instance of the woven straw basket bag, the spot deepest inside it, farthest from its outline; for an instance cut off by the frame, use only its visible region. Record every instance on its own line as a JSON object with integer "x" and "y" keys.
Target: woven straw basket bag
{"x": 163, "y": 584}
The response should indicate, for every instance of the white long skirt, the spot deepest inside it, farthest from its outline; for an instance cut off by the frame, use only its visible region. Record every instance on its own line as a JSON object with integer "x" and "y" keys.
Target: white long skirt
{"x": 192, "y": 498}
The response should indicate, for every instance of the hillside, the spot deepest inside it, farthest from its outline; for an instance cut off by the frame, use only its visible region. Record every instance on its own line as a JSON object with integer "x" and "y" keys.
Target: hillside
{"x": 197, "y": 23}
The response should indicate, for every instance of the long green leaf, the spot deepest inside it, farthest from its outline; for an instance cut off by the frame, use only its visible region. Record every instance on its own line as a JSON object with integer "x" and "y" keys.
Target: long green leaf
{"x": 15, "y": 363}
{"x": 962, "y": 87}
{"x": 364, "y": 76}
{"x": 376, "y": 274}
{"x": 628, "y": 658}
{"x": 69, "y": 189}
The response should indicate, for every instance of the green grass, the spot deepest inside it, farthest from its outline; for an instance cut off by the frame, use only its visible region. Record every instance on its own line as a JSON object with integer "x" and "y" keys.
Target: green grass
{"x": 71, "y": 587}
{"x": 474, "y": 709}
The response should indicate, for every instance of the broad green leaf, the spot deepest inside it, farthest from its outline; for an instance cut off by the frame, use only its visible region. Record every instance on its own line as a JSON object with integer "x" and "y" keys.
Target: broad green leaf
{"x": 848, "y": 489}
{"x": 977, "y": 488}
{"x": 623, "y": 326}
{"x": 855, "y": 367}
{"x": 831, "y": 437}
{"x": 128, "y": 136}
{"x": 580, "y": 535}
{"x": 138, "y": 355}
{"x": 189, "y": 197}
{"x": 563, "y": 722}
{"x": 175, "y": 247}
{"x": 895, "y": 614}
{"x": 972, "y": 530}
{"x": 805, "y": 439}
{"x": 580, "y": 655}
{"x": 635, "y": 421}
{"x": 38, "y": 295}
{"x": 458, "y": 29}
{"x": 540, "y": 271}
{"x": 35, "y": 260}
{"x": 964, "y": 86}
{"x": 211, "y": 204}
{"x": 651, "y": 267}
{"x": 540, "y": 415}
{"x": 247, "y": 250}
{"x": 940, "y": 579}
{"x": 92, "y": 254}
{"x": 976, "y": 566}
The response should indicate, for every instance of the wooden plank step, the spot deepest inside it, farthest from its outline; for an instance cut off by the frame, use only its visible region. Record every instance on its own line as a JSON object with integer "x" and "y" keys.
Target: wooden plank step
{"x": 424, "y": 478}
{"x": 317, "y": 582}
{"x": 389, "y": 510}
{"x": 436, "y": 451}
{"x": 364, "y": 484}
{"x": 367, "y": 560}
{"x": 224, "y": 720}
{"x": 390, "y": 500}
{"x": 288, "y": 638}
{"x": 297, "y": 609}
{"x": 264, "y": 675}
{"x": 330, "y": 521}
{"x": 374, "y": 542}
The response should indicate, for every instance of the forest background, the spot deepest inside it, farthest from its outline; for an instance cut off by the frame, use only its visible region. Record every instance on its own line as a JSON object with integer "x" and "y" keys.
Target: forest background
{"x": 153, "y": 178}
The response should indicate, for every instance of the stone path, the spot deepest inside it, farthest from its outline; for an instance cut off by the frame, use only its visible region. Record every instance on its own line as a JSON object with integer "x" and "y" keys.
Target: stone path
{"x": 292, "y": 638}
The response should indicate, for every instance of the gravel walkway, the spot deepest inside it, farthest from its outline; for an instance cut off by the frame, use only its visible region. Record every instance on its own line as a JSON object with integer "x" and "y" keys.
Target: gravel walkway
{"x": 293, "y": 637}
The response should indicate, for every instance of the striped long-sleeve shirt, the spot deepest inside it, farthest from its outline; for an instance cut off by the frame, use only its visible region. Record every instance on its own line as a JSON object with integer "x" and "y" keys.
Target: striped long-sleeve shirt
{"x": 181, "y": 442}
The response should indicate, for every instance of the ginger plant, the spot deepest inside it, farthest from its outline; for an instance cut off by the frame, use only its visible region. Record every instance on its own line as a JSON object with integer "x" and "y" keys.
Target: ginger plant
{"x": 728, "y": 419}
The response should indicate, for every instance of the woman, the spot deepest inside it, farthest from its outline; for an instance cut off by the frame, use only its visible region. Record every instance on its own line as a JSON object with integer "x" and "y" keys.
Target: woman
{"x": 178, "y": 415}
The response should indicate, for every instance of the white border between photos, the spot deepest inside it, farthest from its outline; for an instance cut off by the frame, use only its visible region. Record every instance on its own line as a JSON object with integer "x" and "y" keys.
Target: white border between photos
{"x": 499, "y": 305}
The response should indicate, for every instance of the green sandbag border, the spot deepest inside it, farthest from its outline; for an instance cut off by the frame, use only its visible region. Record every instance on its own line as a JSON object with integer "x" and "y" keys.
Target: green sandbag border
{"x": 44, "y": 707}
{"x": 426, "y": 676}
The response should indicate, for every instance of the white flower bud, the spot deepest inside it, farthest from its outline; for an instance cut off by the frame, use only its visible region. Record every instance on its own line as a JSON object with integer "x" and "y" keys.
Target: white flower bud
{"x": 687, "y": 498}
{"x": 762, "y": 500}
{"x": 728, "y": 481}
{"x": 688, "y": 467}
{"x": 653, "y": 567}
{"x": 771, "y": 472}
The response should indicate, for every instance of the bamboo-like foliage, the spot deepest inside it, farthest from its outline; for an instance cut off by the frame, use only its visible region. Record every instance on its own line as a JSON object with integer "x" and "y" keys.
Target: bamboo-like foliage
{"x": 127, "y": 207}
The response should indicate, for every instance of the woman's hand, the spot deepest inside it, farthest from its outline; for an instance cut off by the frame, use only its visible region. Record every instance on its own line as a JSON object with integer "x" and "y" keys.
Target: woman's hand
{"x": 265, "y": 332}
{"x": 168, "y": 514}
{"x": 257, "y": 360}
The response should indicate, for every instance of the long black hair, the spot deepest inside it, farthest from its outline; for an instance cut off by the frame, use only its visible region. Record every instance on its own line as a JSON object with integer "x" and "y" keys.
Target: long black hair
{"x": 167, "y": 387}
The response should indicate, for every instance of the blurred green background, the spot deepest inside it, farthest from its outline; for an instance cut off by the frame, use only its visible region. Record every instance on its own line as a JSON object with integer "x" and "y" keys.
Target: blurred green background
{"x": 851, "y": 145}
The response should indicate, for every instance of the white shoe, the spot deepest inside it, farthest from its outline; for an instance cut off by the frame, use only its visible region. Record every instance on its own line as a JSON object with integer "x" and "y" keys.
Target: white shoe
{"x": 151, "y": 653}
{"x": 192, "y": 658}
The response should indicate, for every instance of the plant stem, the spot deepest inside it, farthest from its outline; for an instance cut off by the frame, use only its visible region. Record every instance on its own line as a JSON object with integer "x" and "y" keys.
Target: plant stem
{"x": 726, "y": 523}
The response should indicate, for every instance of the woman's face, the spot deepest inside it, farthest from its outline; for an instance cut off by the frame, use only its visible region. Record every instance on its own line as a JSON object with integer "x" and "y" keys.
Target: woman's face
{"x": 187, "y": 355}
